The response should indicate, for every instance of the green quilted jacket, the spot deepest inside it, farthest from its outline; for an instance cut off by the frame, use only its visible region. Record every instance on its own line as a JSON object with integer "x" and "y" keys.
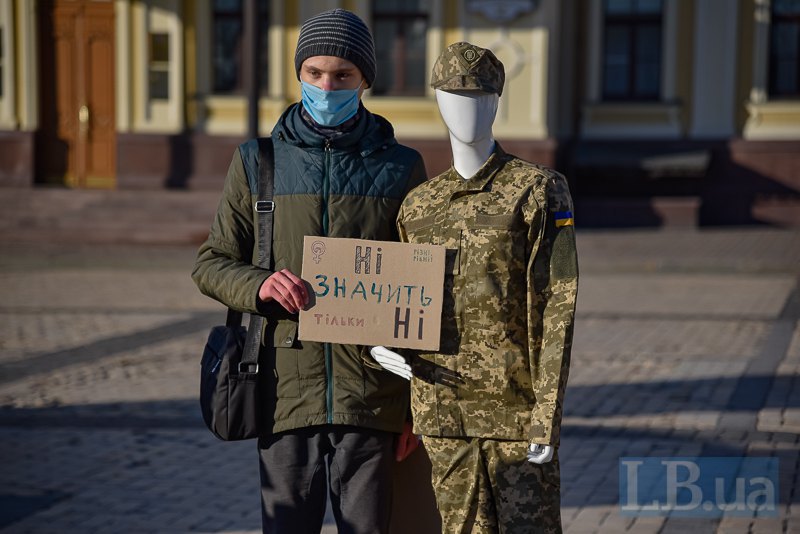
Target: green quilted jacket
{"x": 349, "y": 186}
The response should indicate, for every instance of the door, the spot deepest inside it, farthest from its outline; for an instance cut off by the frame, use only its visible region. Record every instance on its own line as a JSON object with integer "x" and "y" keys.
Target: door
{"x": 77, "y": 141}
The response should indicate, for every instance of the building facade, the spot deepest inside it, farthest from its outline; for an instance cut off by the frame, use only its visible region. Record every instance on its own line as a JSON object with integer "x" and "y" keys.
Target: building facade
{"x": 647, "y": 105}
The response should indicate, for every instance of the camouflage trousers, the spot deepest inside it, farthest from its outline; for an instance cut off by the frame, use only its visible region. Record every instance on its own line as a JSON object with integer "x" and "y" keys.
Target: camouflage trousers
{"x": 489, "y": 486}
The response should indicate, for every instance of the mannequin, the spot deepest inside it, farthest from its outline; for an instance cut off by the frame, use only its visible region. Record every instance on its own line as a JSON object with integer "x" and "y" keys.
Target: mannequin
{"x": 488, "y": 402}
{"x": 469, "y": 116}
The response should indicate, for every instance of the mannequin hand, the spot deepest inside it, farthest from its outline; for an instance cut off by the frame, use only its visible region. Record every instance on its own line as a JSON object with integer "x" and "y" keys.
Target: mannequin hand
{"x": 391, "y": 361}
{"x": 407, "y": 442}
{"x": 286, "y": 289}
{"x": 540, "y": 454}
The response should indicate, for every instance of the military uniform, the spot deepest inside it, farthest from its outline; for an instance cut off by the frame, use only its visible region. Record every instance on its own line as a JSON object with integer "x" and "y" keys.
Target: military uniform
{"x": 497, "y": 382}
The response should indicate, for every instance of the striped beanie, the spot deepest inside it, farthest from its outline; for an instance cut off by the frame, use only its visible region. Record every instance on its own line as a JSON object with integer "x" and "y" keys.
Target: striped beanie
{"x": 338, "y": 33}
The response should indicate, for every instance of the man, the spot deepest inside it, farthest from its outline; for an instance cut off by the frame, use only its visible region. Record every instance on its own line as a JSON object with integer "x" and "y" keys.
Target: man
{"x": 339, "y": 172}
{"x": 489, "y": 402}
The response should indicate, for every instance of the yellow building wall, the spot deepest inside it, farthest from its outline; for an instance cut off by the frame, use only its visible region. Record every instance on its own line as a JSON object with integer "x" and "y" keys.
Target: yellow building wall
{"x": 525, "y": 46}
{"x": 529, "y": 47}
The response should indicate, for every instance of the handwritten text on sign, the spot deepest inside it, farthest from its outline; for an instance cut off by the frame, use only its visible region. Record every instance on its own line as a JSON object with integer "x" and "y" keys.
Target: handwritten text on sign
{"x": 372, "y": 292}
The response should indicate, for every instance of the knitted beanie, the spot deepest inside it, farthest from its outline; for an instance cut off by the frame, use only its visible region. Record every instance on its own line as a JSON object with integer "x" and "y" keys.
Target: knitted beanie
{"x": 338, "y": 33}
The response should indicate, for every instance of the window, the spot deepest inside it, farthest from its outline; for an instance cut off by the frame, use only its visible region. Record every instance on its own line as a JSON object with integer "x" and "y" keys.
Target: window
{"x": 2, "y": 62}
{"x": 158, "y": 66}
{"x": 400, "y": 28}
{"x": 227, "y": 46}
{"x": 632, "y": 50}
{"x": 784, "y": 63}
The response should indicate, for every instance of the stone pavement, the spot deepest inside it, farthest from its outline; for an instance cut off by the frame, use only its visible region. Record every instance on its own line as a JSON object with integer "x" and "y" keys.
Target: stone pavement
{"x": 687, "y": 343}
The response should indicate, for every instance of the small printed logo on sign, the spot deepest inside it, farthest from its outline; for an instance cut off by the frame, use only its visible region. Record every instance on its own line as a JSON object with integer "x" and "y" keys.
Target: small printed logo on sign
{"x": 698, "y": 487}
{"x": 422, "y": 255}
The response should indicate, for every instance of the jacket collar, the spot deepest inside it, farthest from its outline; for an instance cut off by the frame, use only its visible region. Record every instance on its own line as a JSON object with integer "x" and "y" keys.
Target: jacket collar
{"x": 369, "y": 133}
{"x": 485, "y": 174}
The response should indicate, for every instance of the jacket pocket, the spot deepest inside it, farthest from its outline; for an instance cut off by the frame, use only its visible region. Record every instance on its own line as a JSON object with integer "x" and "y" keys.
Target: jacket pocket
{"x": 285, "y": 371}
{"x": 493, "y": 256}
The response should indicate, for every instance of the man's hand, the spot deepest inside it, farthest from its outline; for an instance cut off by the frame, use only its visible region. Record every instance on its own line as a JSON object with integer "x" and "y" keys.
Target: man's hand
{"x": 286, "y": 289}
{"x": 391, "y": 361}
{"x": 407, "y": 442}
{"x": 540, "y": 454}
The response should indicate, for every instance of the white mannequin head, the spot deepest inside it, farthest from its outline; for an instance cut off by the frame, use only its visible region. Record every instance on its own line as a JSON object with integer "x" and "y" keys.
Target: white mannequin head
{"x": 468, "y": 114}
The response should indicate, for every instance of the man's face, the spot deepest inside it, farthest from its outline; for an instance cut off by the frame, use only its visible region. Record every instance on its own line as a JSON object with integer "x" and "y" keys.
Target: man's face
{"x": 331, "y": 73}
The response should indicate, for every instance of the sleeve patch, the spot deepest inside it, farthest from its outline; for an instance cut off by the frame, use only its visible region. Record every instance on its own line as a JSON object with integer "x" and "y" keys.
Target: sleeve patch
{"x": 564, "y": 218}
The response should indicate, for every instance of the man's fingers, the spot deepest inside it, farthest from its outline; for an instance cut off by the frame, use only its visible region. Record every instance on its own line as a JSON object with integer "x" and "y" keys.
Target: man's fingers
{"x": 407, "y": 442}
{"x": 292, "y": 295}
{"x": 298, "y": 283}
{"x": 282, "y": 297}
{"x": 286, "y": 286}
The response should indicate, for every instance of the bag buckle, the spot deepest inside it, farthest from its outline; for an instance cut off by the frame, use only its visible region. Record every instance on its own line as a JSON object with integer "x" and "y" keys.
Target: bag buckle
{"x": 248, "y": 367}
{"x": 265, "y": 206}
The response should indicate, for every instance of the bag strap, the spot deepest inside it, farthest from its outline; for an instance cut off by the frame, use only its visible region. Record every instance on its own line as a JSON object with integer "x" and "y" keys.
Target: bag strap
{"x": 265, "y": 206}
{"x": 265, "y": 210}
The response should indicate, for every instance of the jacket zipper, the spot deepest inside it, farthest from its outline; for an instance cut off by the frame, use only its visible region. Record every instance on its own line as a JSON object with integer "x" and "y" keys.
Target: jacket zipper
{"x": 325, "y": 187}
{"x": 327, "y": 346}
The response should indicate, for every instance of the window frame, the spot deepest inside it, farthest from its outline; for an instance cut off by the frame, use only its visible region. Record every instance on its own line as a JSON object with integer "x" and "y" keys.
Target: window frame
{"x": 161, "y": 66}
{"x": 399, "y": 68}
{"x": 632, "y": 21}
{"x": 264, "y": 15}
{"x": 8, "y": 94}
{"x": 772, "y": 71}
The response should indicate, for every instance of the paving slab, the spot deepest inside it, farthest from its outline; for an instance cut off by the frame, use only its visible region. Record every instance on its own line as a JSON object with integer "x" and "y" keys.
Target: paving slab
{"x": 677, "y": 332}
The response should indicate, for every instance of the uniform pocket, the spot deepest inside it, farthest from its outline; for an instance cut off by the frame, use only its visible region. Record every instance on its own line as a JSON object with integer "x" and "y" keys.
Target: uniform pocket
{"x": 419, "y": 230}
{"x": 493, "y": 257}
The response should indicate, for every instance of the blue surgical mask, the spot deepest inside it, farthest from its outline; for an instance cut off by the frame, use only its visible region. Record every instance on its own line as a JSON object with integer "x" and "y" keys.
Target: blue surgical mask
{"x": 329, "y": 108}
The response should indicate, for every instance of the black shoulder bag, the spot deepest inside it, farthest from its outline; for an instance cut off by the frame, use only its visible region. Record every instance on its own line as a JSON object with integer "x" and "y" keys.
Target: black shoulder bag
{"x": 229, "y": 396}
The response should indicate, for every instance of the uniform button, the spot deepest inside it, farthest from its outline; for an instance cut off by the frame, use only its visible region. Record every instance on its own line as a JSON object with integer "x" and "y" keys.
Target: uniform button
{"x": 288, "y": 341}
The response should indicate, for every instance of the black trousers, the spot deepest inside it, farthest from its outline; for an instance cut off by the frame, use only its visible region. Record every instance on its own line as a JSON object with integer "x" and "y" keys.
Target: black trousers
{"x": 294, "y": 485}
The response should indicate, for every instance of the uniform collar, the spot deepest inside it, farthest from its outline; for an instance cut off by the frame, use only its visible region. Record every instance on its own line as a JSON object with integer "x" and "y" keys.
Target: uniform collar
{"x": 485, "y": 174}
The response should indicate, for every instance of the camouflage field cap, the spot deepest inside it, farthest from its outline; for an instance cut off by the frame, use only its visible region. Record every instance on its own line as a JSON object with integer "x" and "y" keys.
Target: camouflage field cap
{"x": 466, "y": 66}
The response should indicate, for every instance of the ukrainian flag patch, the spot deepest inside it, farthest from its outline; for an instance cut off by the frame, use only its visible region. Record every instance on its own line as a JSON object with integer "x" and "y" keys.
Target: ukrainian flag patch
{"x": 564, "y": 218}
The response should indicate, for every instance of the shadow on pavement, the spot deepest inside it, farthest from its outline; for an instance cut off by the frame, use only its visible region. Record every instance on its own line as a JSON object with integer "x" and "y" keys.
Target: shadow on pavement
{"x": 600, "y": 401}
{"x": 49, "y": 361}
{"x": 594, "y": 443}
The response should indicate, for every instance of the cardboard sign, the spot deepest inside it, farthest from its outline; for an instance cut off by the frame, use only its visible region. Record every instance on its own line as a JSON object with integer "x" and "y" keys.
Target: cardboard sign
{"x": 372, "y": 292}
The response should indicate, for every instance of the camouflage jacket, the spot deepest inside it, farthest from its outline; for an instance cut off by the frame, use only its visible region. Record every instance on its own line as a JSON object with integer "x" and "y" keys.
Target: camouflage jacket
{"x": 511, "y": 282}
